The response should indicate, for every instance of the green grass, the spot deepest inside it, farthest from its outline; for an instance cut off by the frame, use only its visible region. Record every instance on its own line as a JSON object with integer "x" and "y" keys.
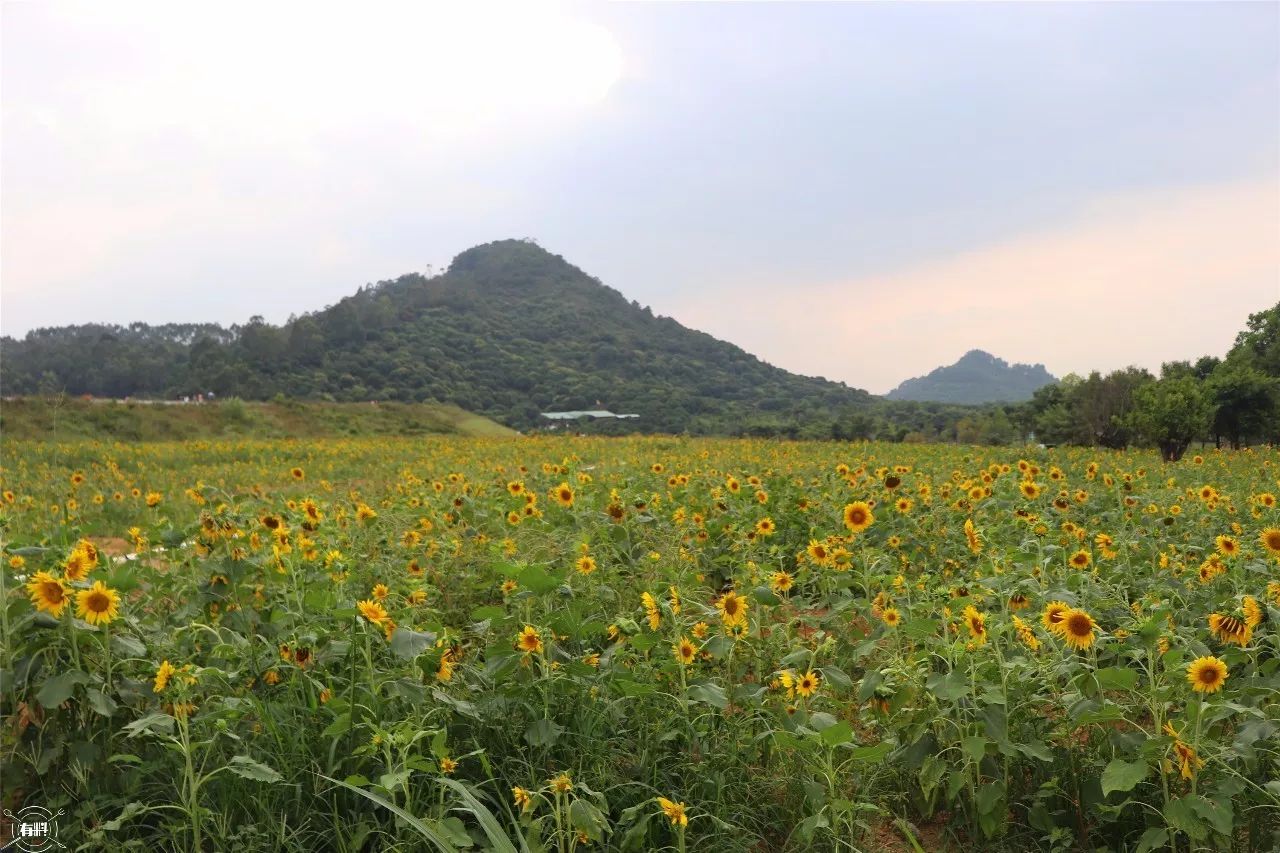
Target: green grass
{"x": 61, "y": 419}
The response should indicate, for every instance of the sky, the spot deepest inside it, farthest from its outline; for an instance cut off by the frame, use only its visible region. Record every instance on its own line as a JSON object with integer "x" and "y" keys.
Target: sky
{"x": 858, "y": 191}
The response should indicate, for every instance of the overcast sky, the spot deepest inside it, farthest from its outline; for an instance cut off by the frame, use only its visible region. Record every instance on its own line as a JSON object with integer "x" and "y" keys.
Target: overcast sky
{"x": 859, "y": 191}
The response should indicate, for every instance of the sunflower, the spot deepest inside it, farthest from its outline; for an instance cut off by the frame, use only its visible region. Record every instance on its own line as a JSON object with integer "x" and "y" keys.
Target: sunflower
{"x": 1270, "y": 539}
{"x": 1081, "y": 559}
{"x": 972, "y": 535}
{"x": 165, "y": 672}
{"x": 976, "y": 623}
{"x": 766, "y": 527}
{"x": 529, "y": 641}
{"x": 1188, "y": 761}
{"x": 1030, "y": 490}
{"x": 522, "y": 798}
{"x": 381, "y": 591}
{"x": 448, "y": 765}
{"x": 372, "y": 610}
{"x": 562, "y": 784}
{"x": 891, "y": 617}
{"x": 674, "y": 812}
{"x": 98, "y": 605}
{"x": 807, "y": 684}
{"x": 1076, "y": 628}
{"x": 733, "y": 608}
{"x": 651, "y": 610}
{"x": 297, "y": 473}
{"x": 563, "y": 495}
{"x": 782, "y": 582}
{"x": 586, "y": 564}
{"x": 818, "y": 552}
{"x": 1051, "y": 619}
{"x": 48, "y": 593}
{"x": 1253, "y": 613}
{"x": 1227, "y": 546}
{"x": 858, "y": 516}
{"x": 1018, "y": 601}
{"x": 1229, "y": 629}
{"x": 1206, "y": 675}
{"x": 685, "y": 651}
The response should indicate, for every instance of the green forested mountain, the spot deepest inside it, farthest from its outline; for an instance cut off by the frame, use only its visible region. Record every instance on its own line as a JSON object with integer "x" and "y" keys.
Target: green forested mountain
{"x": 508, "y": 331}
{"x": 978, "y": 377}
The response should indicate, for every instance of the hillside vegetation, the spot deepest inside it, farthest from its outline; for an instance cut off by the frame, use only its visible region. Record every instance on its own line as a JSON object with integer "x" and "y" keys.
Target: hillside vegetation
{"x": 978, "y": 377}
{"x": 508, "y": 331}
{"x": 51, "y": 419}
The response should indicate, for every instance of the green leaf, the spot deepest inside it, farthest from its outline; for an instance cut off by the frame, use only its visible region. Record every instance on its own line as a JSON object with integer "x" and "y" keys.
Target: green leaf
{"x": 589, "y": 819}
{"x": 1122, "y": 775}
{"x": 974, "y": 746}
{"x": 1116, "y": 678}
{"x": 243, "y": 765}
{"x": 875, "y": 752}
{"x": 537, "y": 580}
{"x": 712, "y": 694}
{"x": 427, "y": 831}
{"x": 1181, "y": 815}
{"x": 543, "y": 733}
{"x": 408, "y": 644}
{"x": 158, "y": 723}
{"x": 1218, "y": 813}
{"x": 498, "y": 840}
{"x": 837, "y": 676}
{"x": 456, "y": 830}
{"x": 835, "y": 735}
{"x": 1155, "y": 838}
{"x": 59, "y": 688}
{"x": 989, "y": 797}
{"x": 949, "y": 687}
{"x": 129, "y": 811}
{"x": 100, "y": 702}
{"x": 764, "y": 595}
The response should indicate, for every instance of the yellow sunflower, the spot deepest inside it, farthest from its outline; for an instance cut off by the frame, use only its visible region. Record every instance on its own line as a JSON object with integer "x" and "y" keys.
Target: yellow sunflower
{"x": 529, "y": 641}
{"x": 685, "y": 651}
{"x": 48, "y": 593}
{"x": 733, "y": 608}
{"x": 372, "y": 610}
{"x": 1076, "y": 628}
{"x": 1206, "y": 675}
{"x": 858, "y": 516}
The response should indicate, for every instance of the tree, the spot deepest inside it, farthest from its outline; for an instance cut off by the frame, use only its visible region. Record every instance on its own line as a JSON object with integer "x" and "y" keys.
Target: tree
{"x": 1170, "y": 413}
{"x": 1245, "y": 401}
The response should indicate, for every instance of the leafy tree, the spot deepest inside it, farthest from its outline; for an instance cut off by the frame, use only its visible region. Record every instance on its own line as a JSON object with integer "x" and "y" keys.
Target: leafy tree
{"x": 1246, "y": 401}
{"x": 1171, "y": 413}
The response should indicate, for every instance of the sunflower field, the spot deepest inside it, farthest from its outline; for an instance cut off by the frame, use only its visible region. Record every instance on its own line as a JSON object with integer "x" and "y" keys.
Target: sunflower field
{"x": 564, "y": 644}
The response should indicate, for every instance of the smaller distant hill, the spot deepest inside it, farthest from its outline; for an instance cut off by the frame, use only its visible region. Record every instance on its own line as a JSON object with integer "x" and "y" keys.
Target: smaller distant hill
{"x": 978, "y": 377}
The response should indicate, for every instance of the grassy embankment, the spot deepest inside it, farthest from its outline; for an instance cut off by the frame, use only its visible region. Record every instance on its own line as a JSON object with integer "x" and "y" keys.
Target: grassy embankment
{"x": 53, "y": 419}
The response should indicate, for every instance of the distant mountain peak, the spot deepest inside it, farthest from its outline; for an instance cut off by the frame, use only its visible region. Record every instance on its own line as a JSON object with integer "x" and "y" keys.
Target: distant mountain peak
{"x": 976, "y": 377}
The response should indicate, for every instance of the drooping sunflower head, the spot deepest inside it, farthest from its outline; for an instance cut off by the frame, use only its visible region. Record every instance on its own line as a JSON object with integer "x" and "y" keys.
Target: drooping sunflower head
{"x": 1207, "y": 674}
